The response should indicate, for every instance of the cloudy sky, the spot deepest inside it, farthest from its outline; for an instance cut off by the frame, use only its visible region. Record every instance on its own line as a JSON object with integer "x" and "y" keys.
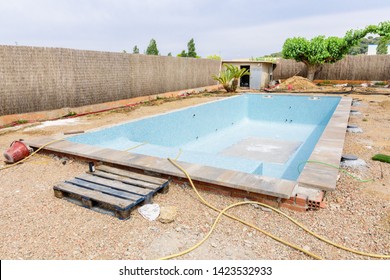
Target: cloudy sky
{"x": 230, "y": 28}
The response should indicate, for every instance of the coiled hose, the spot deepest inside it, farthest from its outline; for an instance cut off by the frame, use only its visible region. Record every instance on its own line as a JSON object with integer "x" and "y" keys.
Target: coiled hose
{"x": 223, "y": 212}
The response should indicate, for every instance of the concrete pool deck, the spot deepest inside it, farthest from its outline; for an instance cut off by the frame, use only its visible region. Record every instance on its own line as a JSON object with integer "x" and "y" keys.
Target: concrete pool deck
{"x": 304, "y": 193}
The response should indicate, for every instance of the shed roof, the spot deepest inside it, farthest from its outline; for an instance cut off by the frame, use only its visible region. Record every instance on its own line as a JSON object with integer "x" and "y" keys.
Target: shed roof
{"x": 247, "y": 61}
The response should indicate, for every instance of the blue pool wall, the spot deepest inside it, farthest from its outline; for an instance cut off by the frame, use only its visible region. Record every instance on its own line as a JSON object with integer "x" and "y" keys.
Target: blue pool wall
{"x": 173, "y": 130}
{"x": 298, "y": 109}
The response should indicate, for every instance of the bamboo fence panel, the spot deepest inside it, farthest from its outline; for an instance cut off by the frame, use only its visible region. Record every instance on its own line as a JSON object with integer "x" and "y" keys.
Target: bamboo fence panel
{"x": 36, "y": 79}
{"x": 358, "y": 67}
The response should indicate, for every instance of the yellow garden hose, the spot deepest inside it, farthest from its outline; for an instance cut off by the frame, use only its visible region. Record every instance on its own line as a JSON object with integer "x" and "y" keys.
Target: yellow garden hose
{"x": 33, "y": 153}
{"x": 179, "y": 154}
{"x": 223, "y": 212}
{"x": 136, "y": 146}
{"x": 234, "y": 218}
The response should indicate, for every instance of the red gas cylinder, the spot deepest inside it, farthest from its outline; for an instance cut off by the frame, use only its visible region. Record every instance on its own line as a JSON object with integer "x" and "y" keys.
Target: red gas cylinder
{"x": 17, "y": 151}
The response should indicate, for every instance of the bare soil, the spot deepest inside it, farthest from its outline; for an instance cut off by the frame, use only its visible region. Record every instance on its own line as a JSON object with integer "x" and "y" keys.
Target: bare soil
{"x": 298, "y": 84}
{"x": 36, "y": 225}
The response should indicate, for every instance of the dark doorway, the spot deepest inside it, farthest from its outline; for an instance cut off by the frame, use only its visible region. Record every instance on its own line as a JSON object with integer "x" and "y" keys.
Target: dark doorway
{"x": 244, "y": 81}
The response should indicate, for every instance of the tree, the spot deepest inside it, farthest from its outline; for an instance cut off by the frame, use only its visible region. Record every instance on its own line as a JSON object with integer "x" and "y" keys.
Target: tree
{"x": 277, "y": 54}
{"x": 191, "y": 49}
{"x": 230, "y": 76}
{"x": 382, "y": 46}
{"x": 237, "y": 73}
{"x": 135, "y": 49}
{"x": 169, "y": 54}
{"x": 152, "y": 48}
{"x": 362, "y": 46}
{"x": 319, "y": 50}
{"x": 182, "y": 54}
{"x": 225, "y": 78}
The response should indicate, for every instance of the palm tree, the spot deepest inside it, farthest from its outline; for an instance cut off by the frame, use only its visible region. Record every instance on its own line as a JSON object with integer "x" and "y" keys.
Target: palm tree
{"x": 225, "y": 78}
{"x": 237, "y": 73}
{"x": 229, "y": 77}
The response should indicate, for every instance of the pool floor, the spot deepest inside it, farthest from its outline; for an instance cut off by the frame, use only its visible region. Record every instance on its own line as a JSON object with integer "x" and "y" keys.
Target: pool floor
{"x": 248, "y": 146}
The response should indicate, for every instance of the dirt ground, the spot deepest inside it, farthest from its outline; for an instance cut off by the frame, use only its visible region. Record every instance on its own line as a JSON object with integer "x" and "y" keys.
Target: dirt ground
{"x": 36, "y": 225}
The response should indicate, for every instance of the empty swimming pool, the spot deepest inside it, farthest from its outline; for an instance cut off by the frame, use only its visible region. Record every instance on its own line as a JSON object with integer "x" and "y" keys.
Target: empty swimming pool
{"x": 258, "y": 134}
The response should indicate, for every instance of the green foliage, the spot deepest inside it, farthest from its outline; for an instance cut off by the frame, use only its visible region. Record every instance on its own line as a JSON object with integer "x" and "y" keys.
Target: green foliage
{"x": 295, "y": 48}
{"x": 70, "y": 114}
{"x": 325, "y": 83}
{"x": 362, "y": 47}
{"x": 335, "y": 49}
{"x": 320, "y": 49}
{"x": 277, "y": 54}
{"x": 382, "y": 158}
{"x": 182, "y": 54}
{"x": 230, "y": 76}
{"x": 225, "y": 78}
{"x": 264, "y": 58}
{"x": 152, "y": 48}
{"x": 382, "y": 45}
{"x": 214, "y": 56}
{"x": 135, "y": 49}
{"x": 21, "y": 121}
{"x": 383, "y": 29}
{"x": 191, "y": 49}
{"x": 169, "y": 54}
{"x": 237, "y": 73}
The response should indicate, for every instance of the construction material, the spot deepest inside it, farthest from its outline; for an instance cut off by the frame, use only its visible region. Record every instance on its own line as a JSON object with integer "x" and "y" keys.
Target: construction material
{"x": 111, "y": 190}
{"x": 382, "y": 158}
{"x": 297, "y": 83}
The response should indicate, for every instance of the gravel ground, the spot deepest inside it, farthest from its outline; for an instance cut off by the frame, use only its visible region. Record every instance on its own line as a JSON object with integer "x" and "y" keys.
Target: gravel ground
{"x": 36, "y": 225}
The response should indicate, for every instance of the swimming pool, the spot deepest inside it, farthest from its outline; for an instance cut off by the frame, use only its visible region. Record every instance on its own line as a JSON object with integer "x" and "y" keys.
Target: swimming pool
{"x": 251, "y": 133}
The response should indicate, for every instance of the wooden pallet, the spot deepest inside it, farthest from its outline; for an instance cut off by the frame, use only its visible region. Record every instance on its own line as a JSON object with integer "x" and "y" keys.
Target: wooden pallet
{"x": 111, "y": 190}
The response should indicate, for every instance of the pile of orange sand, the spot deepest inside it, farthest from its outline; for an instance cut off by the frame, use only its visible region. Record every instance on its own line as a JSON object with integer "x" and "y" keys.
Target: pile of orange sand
{"x": 297, "y": 83}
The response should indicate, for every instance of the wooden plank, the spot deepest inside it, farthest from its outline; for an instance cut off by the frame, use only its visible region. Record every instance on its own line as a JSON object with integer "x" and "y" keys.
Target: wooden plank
{"x": 113, "y": 184}
{"x": 132, "y": 175}
{"x": 120, "y": 203}
{"x": 143, "y": 184}
{"x": 105, "y": 189}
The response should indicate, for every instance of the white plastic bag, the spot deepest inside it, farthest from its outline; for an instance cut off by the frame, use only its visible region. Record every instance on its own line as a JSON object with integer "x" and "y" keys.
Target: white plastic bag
{"x": 149, "y": 211}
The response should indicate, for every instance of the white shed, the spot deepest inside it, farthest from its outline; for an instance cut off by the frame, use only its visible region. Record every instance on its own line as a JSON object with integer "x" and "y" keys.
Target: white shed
{"x": 372, "y": 49}
{"x": 260, "y": 73}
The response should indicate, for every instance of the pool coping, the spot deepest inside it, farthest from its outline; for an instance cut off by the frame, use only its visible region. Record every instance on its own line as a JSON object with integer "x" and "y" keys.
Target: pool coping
{"x": 313, "y": 177}
{"x": 328, "y": 149}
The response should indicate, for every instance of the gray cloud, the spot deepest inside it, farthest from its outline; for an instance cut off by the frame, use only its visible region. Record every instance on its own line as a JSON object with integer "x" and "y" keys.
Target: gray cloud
{"x": 232, "y": 28}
